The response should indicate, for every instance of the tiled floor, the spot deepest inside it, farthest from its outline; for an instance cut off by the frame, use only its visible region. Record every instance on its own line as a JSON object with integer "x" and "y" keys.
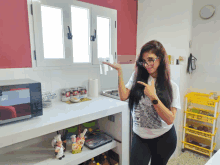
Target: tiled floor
{"x": 189, "y": 158}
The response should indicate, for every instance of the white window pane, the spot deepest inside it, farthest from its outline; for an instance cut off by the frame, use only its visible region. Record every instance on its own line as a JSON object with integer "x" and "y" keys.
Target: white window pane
{"x": 52, "y": 29}
{"x": 80, "y": 31}
{"x": 103, "y": 37}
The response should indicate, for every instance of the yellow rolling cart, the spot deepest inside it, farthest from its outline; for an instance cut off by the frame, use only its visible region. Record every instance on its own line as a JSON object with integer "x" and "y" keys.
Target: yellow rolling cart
{"x": 200, "y": 123}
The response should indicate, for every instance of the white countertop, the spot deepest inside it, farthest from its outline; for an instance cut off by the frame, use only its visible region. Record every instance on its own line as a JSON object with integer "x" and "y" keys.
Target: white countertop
{"x": 61, "y": 115}
{"x": 215, "y": 159}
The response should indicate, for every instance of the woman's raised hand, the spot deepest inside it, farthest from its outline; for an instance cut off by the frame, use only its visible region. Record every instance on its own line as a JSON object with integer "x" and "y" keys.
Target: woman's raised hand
{"x": 115, "y": 65}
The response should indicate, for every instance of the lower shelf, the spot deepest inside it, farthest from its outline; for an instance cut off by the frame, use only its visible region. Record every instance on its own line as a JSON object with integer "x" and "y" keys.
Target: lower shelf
{"x": 198, "y": 148}
{"x": 43, "y": 154}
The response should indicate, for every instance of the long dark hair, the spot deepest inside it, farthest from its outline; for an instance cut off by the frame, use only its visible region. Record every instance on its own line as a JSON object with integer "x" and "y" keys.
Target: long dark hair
{"x": 163, "y": 84}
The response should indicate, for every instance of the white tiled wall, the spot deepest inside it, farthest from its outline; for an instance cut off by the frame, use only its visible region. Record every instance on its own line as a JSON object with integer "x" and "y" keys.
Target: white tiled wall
{"x": 52, "y": 80}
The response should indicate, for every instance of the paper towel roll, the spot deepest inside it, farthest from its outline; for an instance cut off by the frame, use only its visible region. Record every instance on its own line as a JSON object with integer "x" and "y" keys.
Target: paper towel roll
{"x": 93, "y": 88}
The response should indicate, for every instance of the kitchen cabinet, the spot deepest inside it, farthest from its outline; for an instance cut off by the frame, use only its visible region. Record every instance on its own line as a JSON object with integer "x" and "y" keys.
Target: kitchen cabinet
{"x": 61, "y": 116}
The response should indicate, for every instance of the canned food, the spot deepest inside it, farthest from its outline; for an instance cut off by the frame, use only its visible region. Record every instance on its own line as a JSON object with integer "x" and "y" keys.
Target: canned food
{"x": 83, "y": 92}
{"x": 65, "y": 95}
{"x": 74, "y": 95}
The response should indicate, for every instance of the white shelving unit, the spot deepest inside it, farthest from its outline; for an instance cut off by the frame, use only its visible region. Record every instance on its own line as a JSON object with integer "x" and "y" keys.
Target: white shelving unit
{"x": 43, "y": 153}
{"x": 61, "y": 116}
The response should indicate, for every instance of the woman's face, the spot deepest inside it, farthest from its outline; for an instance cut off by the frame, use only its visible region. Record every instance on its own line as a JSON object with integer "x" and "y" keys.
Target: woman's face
{"x": 152, "y": 68}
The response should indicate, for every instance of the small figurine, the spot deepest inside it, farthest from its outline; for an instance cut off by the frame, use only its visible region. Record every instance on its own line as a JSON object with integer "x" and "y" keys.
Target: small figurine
{"x": 59, "y": 149}
{"x": 78, "y": 142}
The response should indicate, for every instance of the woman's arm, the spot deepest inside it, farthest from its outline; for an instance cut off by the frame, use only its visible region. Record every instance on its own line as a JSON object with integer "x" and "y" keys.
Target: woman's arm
{"x": 167, "y": 115}
{"x": 123, "y": 91}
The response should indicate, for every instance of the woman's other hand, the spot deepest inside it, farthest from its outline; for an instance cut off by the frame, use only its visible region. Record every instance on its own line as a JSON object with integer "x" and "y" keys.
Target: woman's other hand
{"x": 149, "y": 90}
{"x": 115, "y": 65}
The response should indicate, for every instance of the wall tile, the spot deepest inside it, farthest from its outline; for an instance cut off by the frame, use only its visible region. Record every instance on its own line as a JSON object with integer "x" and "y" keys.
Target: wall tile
{"x": 76, "y": 77}
{"x": 7, "y": 74}
{"x": 42, "y": 76}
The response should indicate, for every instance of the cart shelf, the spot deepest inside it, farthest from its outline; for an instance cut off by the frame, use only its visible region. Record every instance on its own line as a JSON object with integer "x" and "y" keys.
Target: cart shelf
{"x": 199, "y": 149}
{"x": 202, "y": 99}
{"x": 202, "y": 134}
{"x": 200, "y": 117}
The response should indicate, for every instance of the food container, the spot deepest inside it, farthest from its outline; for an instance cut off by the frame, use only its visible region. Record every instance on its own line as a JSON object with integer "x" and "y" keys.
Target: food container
{"x": 74, "y": 95}
{"x": 82, "y": 92}
{"x": 215, "y": 95}
{"x": 65, "y": 95}
{"x": 169, "y": 58}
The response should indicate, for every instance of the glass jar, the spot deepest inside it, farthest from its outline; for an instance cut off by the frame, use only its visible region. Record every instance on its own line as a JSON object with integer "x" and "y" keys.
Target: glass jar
{"x": 65, "y": 95}
{"x": 74, "y": 95}
{"x": 82, "y": 92}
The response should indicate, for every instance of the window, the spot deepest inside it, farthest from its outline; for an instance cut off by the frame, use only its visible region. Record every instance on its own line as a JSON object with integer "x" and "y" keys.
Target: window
{"x": 73, "y": 33}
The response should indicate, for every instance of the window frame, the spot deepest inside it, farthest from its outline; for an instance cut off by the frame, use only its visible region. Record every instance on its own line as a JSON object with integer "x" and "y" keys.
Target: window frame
{"x": 94, "y": 61}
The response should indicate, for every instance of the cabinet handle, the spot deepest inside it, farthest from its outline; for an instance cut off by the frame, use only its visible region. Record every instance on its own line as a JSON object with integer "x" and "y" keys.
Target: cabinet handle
{"x": 69, "y": 34}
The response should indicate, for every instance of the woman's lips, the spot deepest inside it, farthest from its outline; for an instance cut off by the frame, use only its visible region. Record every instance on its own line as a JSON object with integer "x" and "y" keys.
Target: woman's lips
{"x": 149, "y": 69}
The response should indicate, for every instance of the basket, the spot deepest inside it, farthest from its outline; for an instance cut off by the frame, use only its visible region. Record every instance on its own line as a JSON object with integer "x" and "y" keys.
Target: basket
{"x": 200, "y": 117}
{"x": 201, "y": 98}
{"x": 198, "y": 148}
{"x": 201, "y": 134}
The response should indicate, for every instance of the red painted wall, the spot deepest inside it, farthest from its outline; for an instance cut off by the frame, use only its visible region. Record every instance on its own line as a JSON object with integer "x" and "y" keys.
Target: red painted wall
{"x": 14, "y": 34}
{"x": 14, "y": 30}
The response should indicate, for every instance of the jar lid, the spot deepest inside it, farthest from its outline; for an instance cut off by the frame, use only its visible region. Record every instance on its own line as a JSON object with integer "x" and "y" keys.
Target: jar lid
{"x": 73, "y": 89}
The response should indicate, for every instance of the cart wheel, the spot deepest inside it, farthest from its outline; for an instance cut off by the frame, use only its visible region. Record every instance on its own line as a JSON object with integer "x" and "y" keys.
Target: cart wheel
{"x": 214, "y": 152}
{"x": 183, "y": 150}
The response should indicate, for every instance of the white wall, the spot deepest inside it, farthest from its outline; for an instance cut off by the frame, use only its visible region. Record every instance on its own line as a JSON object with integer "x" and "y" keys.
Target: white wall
{"x": 206, "y": 48}
{"x": 170, "y": 23}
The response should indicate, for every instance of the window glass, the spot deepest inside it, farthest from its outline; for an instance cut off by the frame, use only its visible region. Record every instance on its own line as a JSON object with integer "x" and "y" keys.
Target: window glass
{"x": 103, "y": 37}
{"x": 80, "y": 32}
{"x": 52, "y": 29}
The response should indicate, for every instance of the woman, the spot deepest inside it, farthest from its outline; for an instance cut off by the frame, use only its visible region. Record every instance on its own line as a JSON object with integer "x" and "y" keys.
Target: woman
{"x": 153, "y": 101}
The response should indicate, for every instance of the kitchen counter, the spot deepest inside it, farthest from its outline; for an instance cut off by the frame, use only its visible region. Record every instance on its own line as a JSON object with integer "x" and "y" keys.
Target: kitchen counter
{"x": 215, "y": 159}
{"x": 61, "y": 115}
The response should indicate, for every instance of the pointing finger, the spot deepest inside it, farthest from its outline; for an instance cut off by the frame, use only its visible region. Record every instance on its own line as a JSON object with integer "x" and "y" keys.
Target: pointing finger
{"x": 142, "y": 83}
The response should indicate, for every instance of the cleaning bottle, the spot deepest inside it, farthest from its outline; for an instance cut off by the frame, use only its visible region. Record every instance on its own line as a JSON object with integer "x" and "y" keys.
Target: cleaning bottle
{"x": 92, "y": 162}
{"x": 105, "y": 161}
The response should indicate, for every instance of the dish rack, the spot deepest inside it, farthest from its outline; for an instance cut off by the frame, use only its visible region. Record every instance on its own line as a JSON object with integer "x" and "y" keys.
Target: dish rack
{"x": 200, "y": 123}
